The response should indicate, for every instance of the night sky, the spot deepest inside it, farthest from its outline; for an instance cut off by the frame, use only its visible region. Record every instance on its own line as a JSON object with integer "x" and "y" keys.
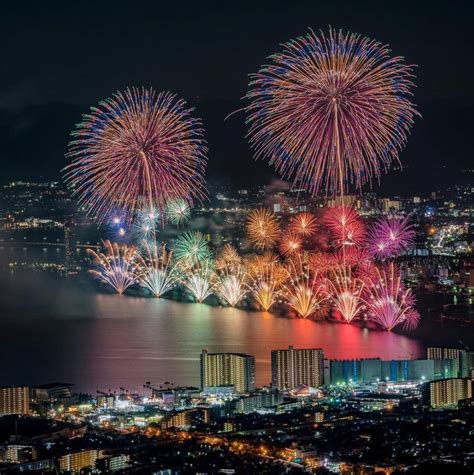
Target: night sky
{"x": 60, "y": 58}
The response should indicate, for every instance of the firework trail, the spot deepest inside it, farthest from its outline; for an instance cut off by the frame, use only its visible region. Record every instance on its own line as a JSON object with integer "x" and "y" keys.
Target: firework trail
{"x": 136, "y": 148}
{"x": 344, "y": 292}
{"x": 192, "y": 248}
{"x": 303, "y": 289}
{"x": 118, "y": 267}
{"x": 303, "y": 224}
{"x": 266, "y": 276}
{"x": 231, "y": 285}
{"x": 389, "y": 236}
{"x": 200, "y": 279}
{"x": 178, "y": 211}
{"x": 331, "y": 110}
{"x": 262, "y": 228}
{"x": 389, "y": 303}
{"x": 159, "y": 274}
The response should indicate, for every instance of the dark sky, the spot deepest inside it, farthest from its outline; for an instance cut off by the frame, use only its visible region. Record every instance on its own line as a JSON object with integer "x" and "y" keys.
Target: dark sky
{"x": 60, "y": 58}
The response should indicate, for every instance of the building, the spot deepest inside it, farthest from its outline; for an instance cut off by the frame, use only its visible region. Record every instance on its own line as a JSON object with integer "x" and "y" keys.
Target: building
{"x": 408, "y": 370}
{"x": 446, "y": 392}
{"x": 106, "y": 401}
{"x": 187, "y": 418}
{"x": 228, "y": 369}
{"x": 18, "y": 453}
{"x": 375, "y": 370}
{"x": 355, "y": 371}
{"x": 259, "y": 400}
{"x": 464, "y": 359}
{"x": 51, "y": 392}
{"x": 112, "y": 463}
{"x": 296, "y": 367}
{"x": 14, "y": 400}
{"x": 77, "y": 461}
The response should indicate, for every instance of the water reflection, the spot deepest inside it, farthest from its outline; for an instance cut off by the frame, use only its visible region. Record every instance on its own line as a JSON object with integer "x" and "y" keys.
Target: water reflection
{"x": 64, "y": 331}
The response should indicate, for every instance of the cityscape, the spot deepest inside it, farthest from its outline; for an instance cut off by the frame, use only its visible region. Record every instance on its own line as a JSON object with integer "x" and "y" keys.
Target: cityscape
{"x": 194, "y": 283}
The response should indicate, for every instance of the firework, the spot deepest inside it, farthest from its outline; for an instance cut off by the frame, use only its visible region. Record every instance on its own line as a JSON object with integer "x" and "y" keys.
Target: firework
{"x": 303, "y": 224}
{"x": 145, "y": 224}
{"x": 200, "y": 280}
{"x": 389, "y": 303}
{"x": 266, "y": 277}
{"x": 192, "y": 247}
{"x": 178, "y": 211}
{"x": 345, "y": 225}
{"x": 159, "y": 274}
{"x": 231, "y": 287}
{"x": 289, "y": 244}
{"x": 228, "y": 258}
{"x": 136, "y": 148}
{"x": 303, "y": 288}
{"x": 118, "y": 267}
{"x": 344, "y": 292}
{"x": 262, "y": 228}
{"x": 389, "y": 236}
{"x": 321, "y": 262}
{"x": 331, "y": 110}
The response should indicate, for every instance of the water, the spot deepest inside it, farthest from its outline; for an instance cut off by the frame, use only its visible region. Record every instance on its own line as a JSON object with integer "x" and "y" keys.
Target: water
{"x": 56, "y": 329}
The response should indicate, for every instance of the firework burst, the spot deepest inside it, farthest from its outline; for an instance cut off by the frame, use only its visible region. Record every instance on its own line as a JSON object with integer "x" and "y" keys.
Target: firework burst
{"x": 303, "y": 224}
{"x": 136, "y": 147}
{"x": 145, "y": 224}
{"x": 303, "y": 289}
{"x": 389, "y": 303}
{"x": 345, "y": 225}
{"x": 262, "y": 228}
{"x": 118, "y": 267}
{"x": 344, "y": 292}
{"x": 266, "y": 276}
{"x": 389, "y": 236}
{"x": 178, "y": 211}
{"x": 290, "y": 243}
{"x": 192, "y": 248}
{"x": 199, "y": 280}
{"x": 230, "y": 285}
{"x": 159, "y": 274}
{"x": 331, "y": 110}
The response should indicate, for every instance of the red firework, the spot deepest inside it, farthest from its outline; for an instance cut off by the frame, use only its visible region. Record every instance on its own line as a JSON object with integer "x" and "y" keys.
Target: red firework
{"x": 345, "y": 225}
{"x": 138, "y": 148}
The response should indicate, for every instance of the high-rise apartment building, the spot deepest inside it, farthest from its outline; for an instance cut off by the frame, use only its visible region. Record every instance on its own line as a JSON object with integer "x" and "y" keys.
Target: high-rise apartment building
{"x": 295, "y": 367}
{"x": 446, "y": 392}
{"x": 14, "y": 400}
{"x": 228, "y": 369}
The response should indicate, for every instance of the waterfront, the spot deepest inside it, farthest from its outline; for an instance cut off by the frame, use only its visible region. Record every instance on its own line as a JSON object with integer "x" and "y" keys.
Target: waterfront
{"x": 102, "y": 341}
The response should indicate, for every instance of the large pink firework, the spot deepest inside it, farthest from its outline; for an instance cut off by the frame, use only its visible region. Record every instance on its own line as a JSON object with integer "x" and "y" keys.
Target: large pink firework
{"x": 137, "y": 149}
{"x": 389, "y": 303}
{"x": 388, "y": 236}
{"x": 345, "y": 225}
{"x": 331, "y": 110}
